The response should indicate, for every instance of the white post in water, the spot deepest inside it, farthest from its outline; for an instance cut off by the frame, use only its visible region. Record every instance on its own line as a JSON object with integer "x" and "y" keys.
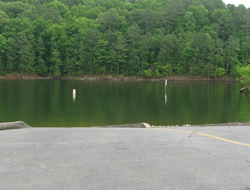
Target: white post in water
{"x": 74, "y": 94}
{"x": 166, "y": 83}
{"x": 166, "y": 99}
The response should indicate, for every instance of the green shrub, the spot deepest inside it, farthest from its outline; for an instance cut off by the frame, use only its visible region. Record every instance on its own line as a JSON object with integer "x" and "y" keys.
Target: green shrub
{"x": 147, "y": 73}
{"x": 221, "y": 72}
{"x": 244, "y": 73}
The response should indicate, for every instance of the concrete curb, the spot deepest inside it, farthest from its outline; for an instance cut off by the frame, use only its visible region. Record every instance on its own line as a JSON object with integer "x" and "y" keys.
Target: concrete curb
{"x": 227, "y": 124}
{"x": 146, "y": 125}
{"x": 13, "y": 125}
{"x": 135, "y": 125}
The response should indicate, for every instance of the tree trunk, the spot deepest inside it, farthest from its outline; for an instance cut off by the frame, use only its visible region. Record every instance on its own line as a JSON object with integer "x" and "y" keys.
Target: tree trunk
{"x": 168, "y": 27}
{"x": 246, "y": 54}
{"x": 208, "y": 73}
{"x": 118, "y": 64}
{"x": 22, "y": 71}
{"x": 191, "y": 70}
{"x": 228, "y": 61}
{"x": 168, "y": 56}
{"x": 204, "y": 58}
{"x": 118, "y": 67}
{"x": 50, "y": 71}
{"x": 68, "y": 71}
{"x": 90, "y": 61}
{"x": 216, "y": 66}
{"x": 199, "y": 57}
{"x": 246, "y": 42}
{"x": 163, "y": 59}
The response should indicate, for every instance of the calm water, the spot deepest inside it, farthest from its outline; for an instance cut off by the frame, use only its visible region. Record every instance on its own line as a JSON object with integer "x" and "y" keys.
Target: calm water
{"x": 47, "y": 103}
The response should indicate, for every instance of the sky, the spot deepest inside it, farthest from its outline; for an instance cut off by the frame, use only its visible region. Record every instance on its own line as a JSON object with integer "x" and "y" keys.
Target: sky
{"x": 237, "y": 2}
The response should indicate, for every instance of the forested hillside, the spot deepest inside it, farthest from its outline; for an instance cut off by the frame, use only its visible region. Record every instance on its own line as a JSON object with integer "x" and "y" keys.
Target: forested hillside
{"x": 151, "y": 38}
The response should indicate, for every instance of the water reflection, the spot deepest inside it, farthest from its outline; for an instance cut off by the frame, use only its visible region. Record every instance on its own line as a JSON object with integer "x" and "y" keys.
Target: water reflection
{"x": 166, "y": 99}
{"x": 49, "y": 103}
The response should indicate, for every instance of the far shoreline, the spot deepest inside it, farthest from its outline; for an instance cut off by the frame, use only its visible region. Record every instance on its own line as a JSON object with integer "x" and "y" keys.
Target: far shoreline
{"x": 120, "y": 78}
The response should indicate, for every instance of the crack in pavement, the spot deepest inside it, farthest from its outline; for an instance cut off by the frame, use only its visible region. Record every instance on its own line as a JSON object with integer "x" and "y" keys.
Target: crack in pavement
{"x": 188, "y": 137}
{"x": 180, "y": 145}
{"x": 210, "y": 153}
{"x": 191, "y": 135}
{"x": 211, "y": 136}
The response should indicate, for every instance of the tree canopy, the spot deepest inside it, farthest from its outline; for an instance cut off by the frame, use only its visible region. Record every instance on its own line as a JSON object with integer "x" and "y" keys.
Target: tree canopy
{"x": 124, "y": 37}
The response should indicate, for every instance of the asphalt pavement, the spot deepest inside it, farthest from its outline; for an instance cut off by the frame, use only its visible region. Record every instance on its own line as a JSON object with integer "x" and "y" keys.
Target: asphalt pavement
{"x": 173, "y": 158}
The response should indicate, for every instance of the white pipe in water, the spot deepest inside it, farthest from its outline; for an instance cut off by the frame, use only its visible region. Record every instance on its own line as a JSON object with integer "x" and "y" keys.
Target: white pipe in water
{"x": 166, "y": 82}
{"x": 74, "y": 94}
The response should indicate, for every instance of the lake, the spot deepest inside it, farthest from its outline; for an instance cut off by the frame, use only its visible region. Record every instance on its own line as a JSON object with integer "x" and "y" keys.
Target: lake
{"x": 50, "y": 103}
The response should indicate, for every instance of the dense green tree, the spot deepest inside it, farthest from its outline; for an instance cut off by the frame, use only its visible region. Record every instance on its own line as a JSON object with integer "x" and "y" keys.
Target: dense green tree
{"x": 211, "y": 5}
{"x": 200, "y": 14}
{"x": 189, "y": 22}
{"x": 245, "y": 74}
{"x": 14, "y": 9}
{"x": 167, "y": 48}
{"x": 121, "y": 52}
{"x": 102, "y": 60}
{"x": 109, "y": 20}
{"x": 232, "y": 47}
{"x": 40, "y": 25}
{"x": 11, "y": 55}
{"x": 171, "y": 15}
{"x": 3, "y": 20}
{"x": 219, "y": 58}
{"x": 144, "y": 52}
{"x": 133, "y": 34}
{"x": 237, "y": 14}
{"x": 247, "y": 27}
{"x": 15, "y": 26}
{"x": 41, "y": 66}
{"x": 146, "y": 20}
{"x": 58, "y": 6}
{"x": 26, "y": 54}
{"x": 3, "y": 43}
{"x": 222, "y": 23}
{"x": 89, "y": 40}
{"x": 56, "y": 62}
{"x": 118, "y": 37}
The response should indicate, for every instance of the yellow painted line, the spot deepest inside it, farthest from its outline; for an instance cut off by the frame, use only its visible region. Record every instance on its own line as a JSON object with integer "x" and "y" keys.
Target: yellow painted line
{"x": 211, "y": 136}
{"x": 222, "y": 139}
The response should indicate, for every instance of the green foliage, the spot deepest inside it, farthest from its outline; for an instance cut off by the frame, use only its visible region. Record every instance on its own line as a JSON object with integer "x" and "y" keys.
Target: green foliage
{"x": 221, "y": 72}
{"x": 149, "y": 38}
{"x": 189, "y": 22}
{"x": 25, "y": 53}
{"x": 147, "y": 73}
{"x": 41, "y": 67}
{"x": 244, "y": 73}
{"x": 3, "y": 43}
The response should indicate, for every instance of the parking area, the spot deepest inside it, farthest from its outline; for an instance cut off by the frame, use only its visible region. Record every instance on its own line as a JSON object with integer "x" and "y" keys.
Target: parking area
{"x": 118, "y": 158}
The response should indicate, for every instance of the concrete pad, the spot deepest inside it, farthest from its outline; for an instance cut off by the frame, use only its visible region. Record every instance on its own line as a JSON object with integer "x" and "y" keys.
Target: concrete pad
{"x": 122, "y": 158}
{"x": 13, "y": 125}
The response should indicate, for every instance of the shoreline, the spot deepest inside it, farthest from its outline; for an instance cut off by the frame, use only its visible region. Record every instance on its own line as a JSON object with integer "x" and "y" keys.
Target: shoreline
{"x": 22, "y": 124}
{"x": 120, "y": 78}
